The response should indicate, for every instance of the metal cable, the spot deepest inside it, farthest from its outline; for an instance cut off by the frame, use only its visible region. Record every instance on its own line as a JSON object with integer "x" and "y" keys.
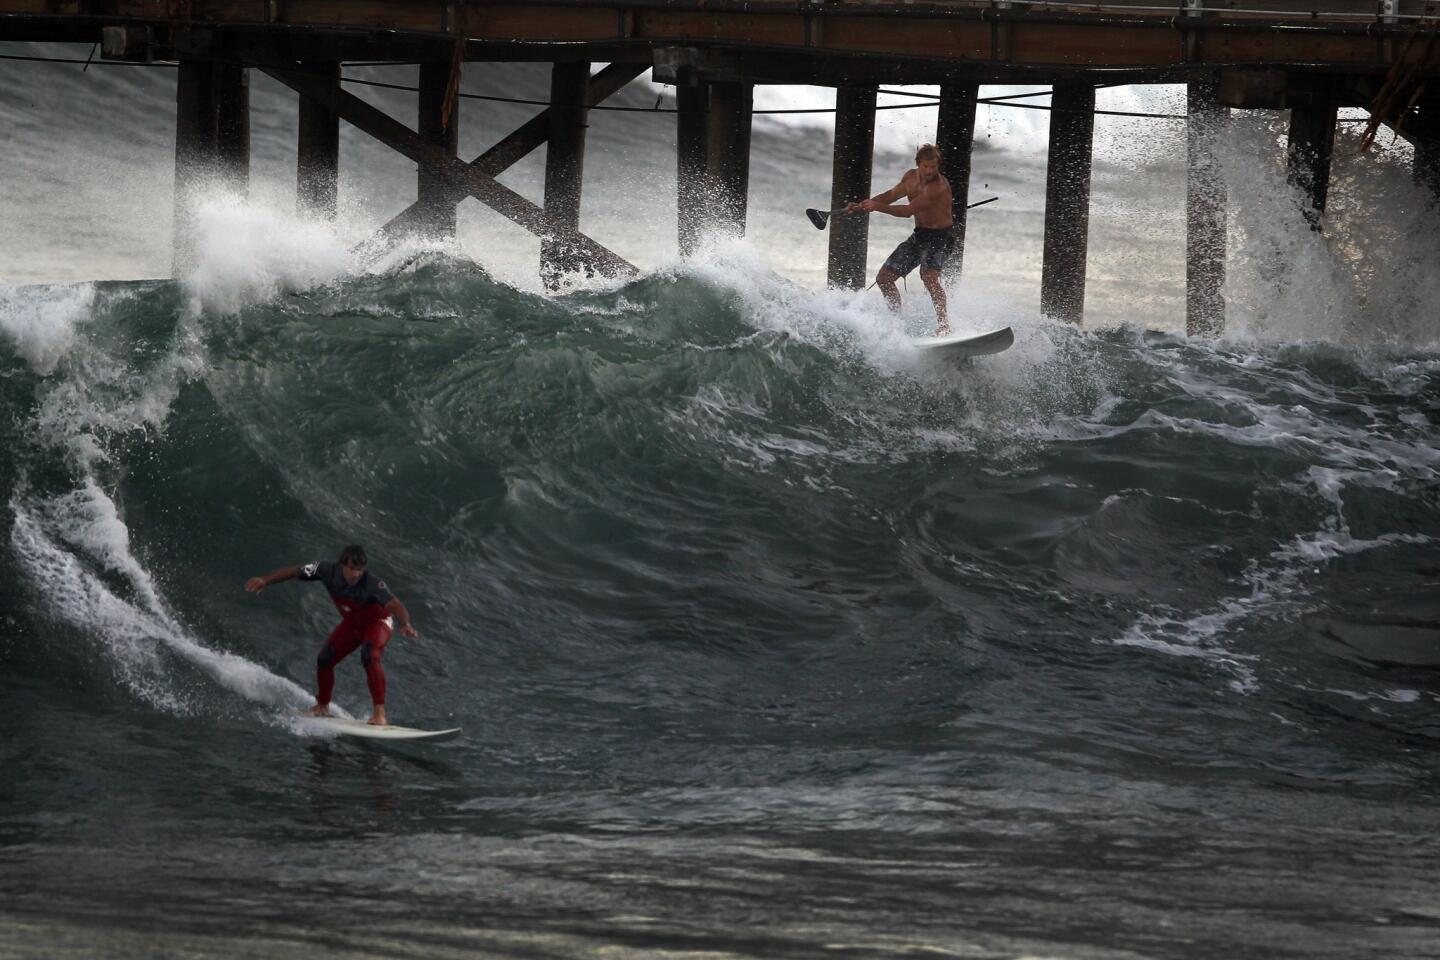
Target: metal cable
{"x": 1005, "y": 100}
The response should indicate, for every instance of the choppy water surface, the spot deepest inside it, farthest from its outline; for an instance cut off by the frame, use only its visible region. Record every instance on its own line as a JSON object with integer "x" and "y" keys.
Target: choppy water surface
{"x": 767, "y": 639}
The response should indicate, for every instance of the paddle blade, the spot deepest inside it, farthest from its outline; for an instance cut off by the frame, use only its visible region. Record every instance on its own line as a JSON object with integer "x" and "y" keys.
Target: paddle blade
{"x": 818, "y": 217}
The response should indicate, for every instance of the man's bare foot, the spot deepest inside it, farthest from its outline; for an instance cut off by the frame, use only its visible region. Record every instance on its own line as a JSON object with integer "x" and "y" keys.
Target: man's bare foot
{"x": 942, "y": 330}
{"x": 319, "y": 710}
{"x": 377, "y": 719}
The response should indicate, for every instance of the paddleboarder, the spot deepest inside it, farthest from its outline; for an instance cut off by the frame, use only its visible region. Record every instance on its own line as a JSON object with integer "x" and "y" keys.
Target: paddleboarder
{"x": 928, "y": 193}
{"x": 368, "y": 611}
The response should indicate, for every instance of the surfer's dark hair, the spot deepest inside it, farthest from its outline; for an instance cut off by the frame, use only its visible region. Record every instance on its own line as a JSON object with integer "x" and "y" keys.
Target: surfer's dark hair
{"x": 353, "y": 556}
{"x": 927, "y": 151}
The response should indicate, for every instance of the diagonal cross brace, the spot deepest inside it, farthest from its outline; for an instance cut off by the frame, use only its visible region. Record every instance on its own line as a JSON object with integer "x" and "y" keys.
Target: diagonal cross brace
{"x": 512, "y": 149}
{"x": 466, "y": 178}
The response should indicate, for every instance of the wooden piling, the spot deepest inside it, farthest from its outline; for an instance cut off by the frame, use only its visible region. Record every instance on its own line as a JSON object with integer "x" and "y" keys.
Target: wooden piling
{"x": 195, "y": 153}
{"x": 851, "y": 174}
{"x": 1067, "y": 201}
{"x": 318, "y": 151}
{"x": 955, "y": 136}
{"x": 432, "y": 191}
{"x": 1425, "y": 134}
{"x": 692, "y": 117}
{"x": 1205, "y": 210}
{"x": 1311, "y": 146}
{"x": 564, "y": 166}
{"x": 232, "y": 126}
{"x": 728, "y": 152}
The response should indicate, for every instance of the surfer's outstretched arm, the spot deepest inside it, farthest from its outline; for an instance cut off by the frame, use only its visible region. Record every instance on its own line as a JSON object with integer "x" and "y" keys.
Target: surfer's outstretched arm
{"x": 900, "y": 189}
{"x": 894, "y": 209}
{"x": 256, "y": 584}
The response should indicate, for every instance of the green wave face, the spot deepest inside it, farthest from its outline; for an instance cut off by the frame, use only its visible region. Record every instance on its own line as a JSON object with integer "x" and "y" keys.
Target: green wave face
{"x": 734, "y": 473}
{"x": 702, "y": 553}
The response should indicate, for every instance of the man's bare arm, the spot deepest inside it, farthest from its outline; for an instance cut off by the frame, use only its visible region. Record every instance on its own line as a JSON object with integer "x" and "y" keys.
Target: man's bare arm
{"x": 894, "y": 193}
{"x": 402, "y": 617}
{"x": 900, "y": 189}
{"x": 932, "y": 205}
{"x": 894, "y": 209}
{"x": 256, "y": 584}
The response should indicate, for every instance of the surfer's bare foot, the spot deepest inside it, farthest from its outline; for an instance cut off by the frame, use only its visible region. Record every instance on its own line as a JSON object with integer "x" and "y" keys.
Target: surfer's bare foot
{"x": 319, "y": 710}
{"x": 943, "y": 330}
{"x": 377, "y": 719}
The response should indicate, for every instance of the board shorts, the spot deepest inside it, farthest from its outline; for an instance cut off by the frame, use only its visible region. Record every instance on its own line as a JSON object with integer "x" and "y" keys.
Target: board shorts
{"x": 925, "y": 247}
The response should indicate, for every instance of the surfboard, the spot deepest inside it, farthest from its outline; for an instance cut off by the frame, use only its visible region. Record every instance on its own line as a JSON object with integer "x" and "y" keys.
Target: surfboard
{"x": 966, "y": 344}
{"x": 347, "y": 727}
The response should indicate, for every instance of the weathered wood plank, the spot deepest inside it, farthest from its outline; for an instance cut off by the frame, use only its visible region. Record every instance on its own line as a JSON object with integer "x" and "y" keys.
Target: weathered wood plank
{"x": 1344, "y": 33}
{"x": 672, "y": 25}
{"x": 1084, "y": 45}
{"x": 952, "y": 39}
{"x": 382, "y": 14}
{"x": 574, "y": 24}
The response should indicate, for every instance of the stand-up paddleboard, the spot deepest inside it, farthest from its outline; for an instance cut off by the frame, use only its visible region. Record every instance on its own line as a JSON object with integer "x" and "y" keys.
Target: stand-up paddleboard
{"x": 966, "y": 344}
{"x": 347, "y": 727}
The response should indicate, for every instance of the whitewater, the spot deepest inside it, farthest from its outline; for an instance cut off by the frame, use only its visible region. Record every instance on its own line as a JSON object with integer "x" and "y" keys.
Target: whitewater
{"x": 768, "y": 637}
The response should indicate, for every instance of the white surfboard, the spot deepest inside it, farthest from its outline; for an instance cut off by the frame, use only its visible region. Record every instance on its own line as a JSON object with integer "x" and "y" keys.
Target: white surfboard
{"x": 966, "y": 344}
{"x": 347, "y": 727}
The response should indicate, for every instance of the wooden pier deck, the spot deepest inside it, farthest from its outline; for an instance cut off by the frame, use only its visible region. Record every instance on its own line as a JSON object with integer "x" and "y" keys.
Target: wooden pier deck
{"x": 804, "y": 41}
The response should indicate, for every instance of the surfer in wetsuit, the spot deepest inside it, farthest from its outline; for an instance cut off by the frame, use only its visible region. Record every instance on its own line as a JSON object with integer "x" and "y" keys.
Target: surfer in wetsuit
{"x": 933, "y": 238}
{"x": 368, "y": 610}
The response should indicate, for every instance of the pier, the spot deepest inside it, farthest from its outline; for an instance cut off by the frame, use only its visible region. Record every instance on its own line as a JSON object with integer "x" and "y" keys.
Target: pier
{"x": 1308, "y": 57}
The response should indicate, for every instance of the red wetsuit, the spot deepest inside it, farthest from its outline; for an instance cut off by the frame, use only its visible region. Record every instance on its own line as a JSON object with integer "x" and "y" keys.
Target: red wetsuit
{"x": 365, "y": 622}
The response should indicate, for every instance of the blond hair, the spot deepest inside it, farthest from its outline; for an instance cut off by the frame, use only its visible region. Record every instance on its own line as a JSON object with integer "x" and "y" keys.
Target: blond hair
{"x": 927, "y": 151}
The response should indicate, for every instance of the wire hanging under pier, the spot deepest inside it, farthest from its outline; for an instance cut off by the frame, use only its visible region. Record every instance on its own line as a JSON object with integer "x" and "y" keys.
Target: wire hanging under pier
{"x": 931, "y": 100}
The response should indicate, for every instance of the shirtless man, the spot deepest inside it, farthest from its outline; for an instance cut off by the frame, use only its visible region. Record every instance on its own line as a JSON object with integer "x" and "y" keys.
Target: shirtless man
{"x": 368, "y": 610}
{"x": 932, "y": 240}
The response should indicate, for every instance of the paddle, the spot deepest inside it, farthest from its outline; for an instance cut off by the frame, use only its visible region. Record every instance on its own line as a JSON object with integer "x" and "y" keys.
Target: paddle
{"x": 822, "y": 217}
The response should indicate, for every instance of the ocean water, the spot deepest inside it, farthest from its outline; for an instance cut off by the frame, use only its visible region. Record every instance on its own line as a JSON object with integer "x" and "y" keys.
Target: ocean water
{"x": 767, "y": 638}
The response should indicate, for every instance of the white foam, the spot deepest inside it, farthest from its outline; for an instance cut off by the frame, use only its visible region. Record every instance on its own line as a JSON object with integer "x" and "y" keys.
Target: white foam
{"x": 855, "y": 321}
{"x": 56, "y": 539}
{"x": 101, "y": 395}
{"x": 41, "y": 321}
{"x": 249, "y": 253}
{"x": 1052, "y": 367}
{"x": 1200, "y": 636}
{"x": 1276, "y": 585}
{"x": 1340, "y": 455}
{"x": 76, "y": 547}
{"x": 1365, "y": 280}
